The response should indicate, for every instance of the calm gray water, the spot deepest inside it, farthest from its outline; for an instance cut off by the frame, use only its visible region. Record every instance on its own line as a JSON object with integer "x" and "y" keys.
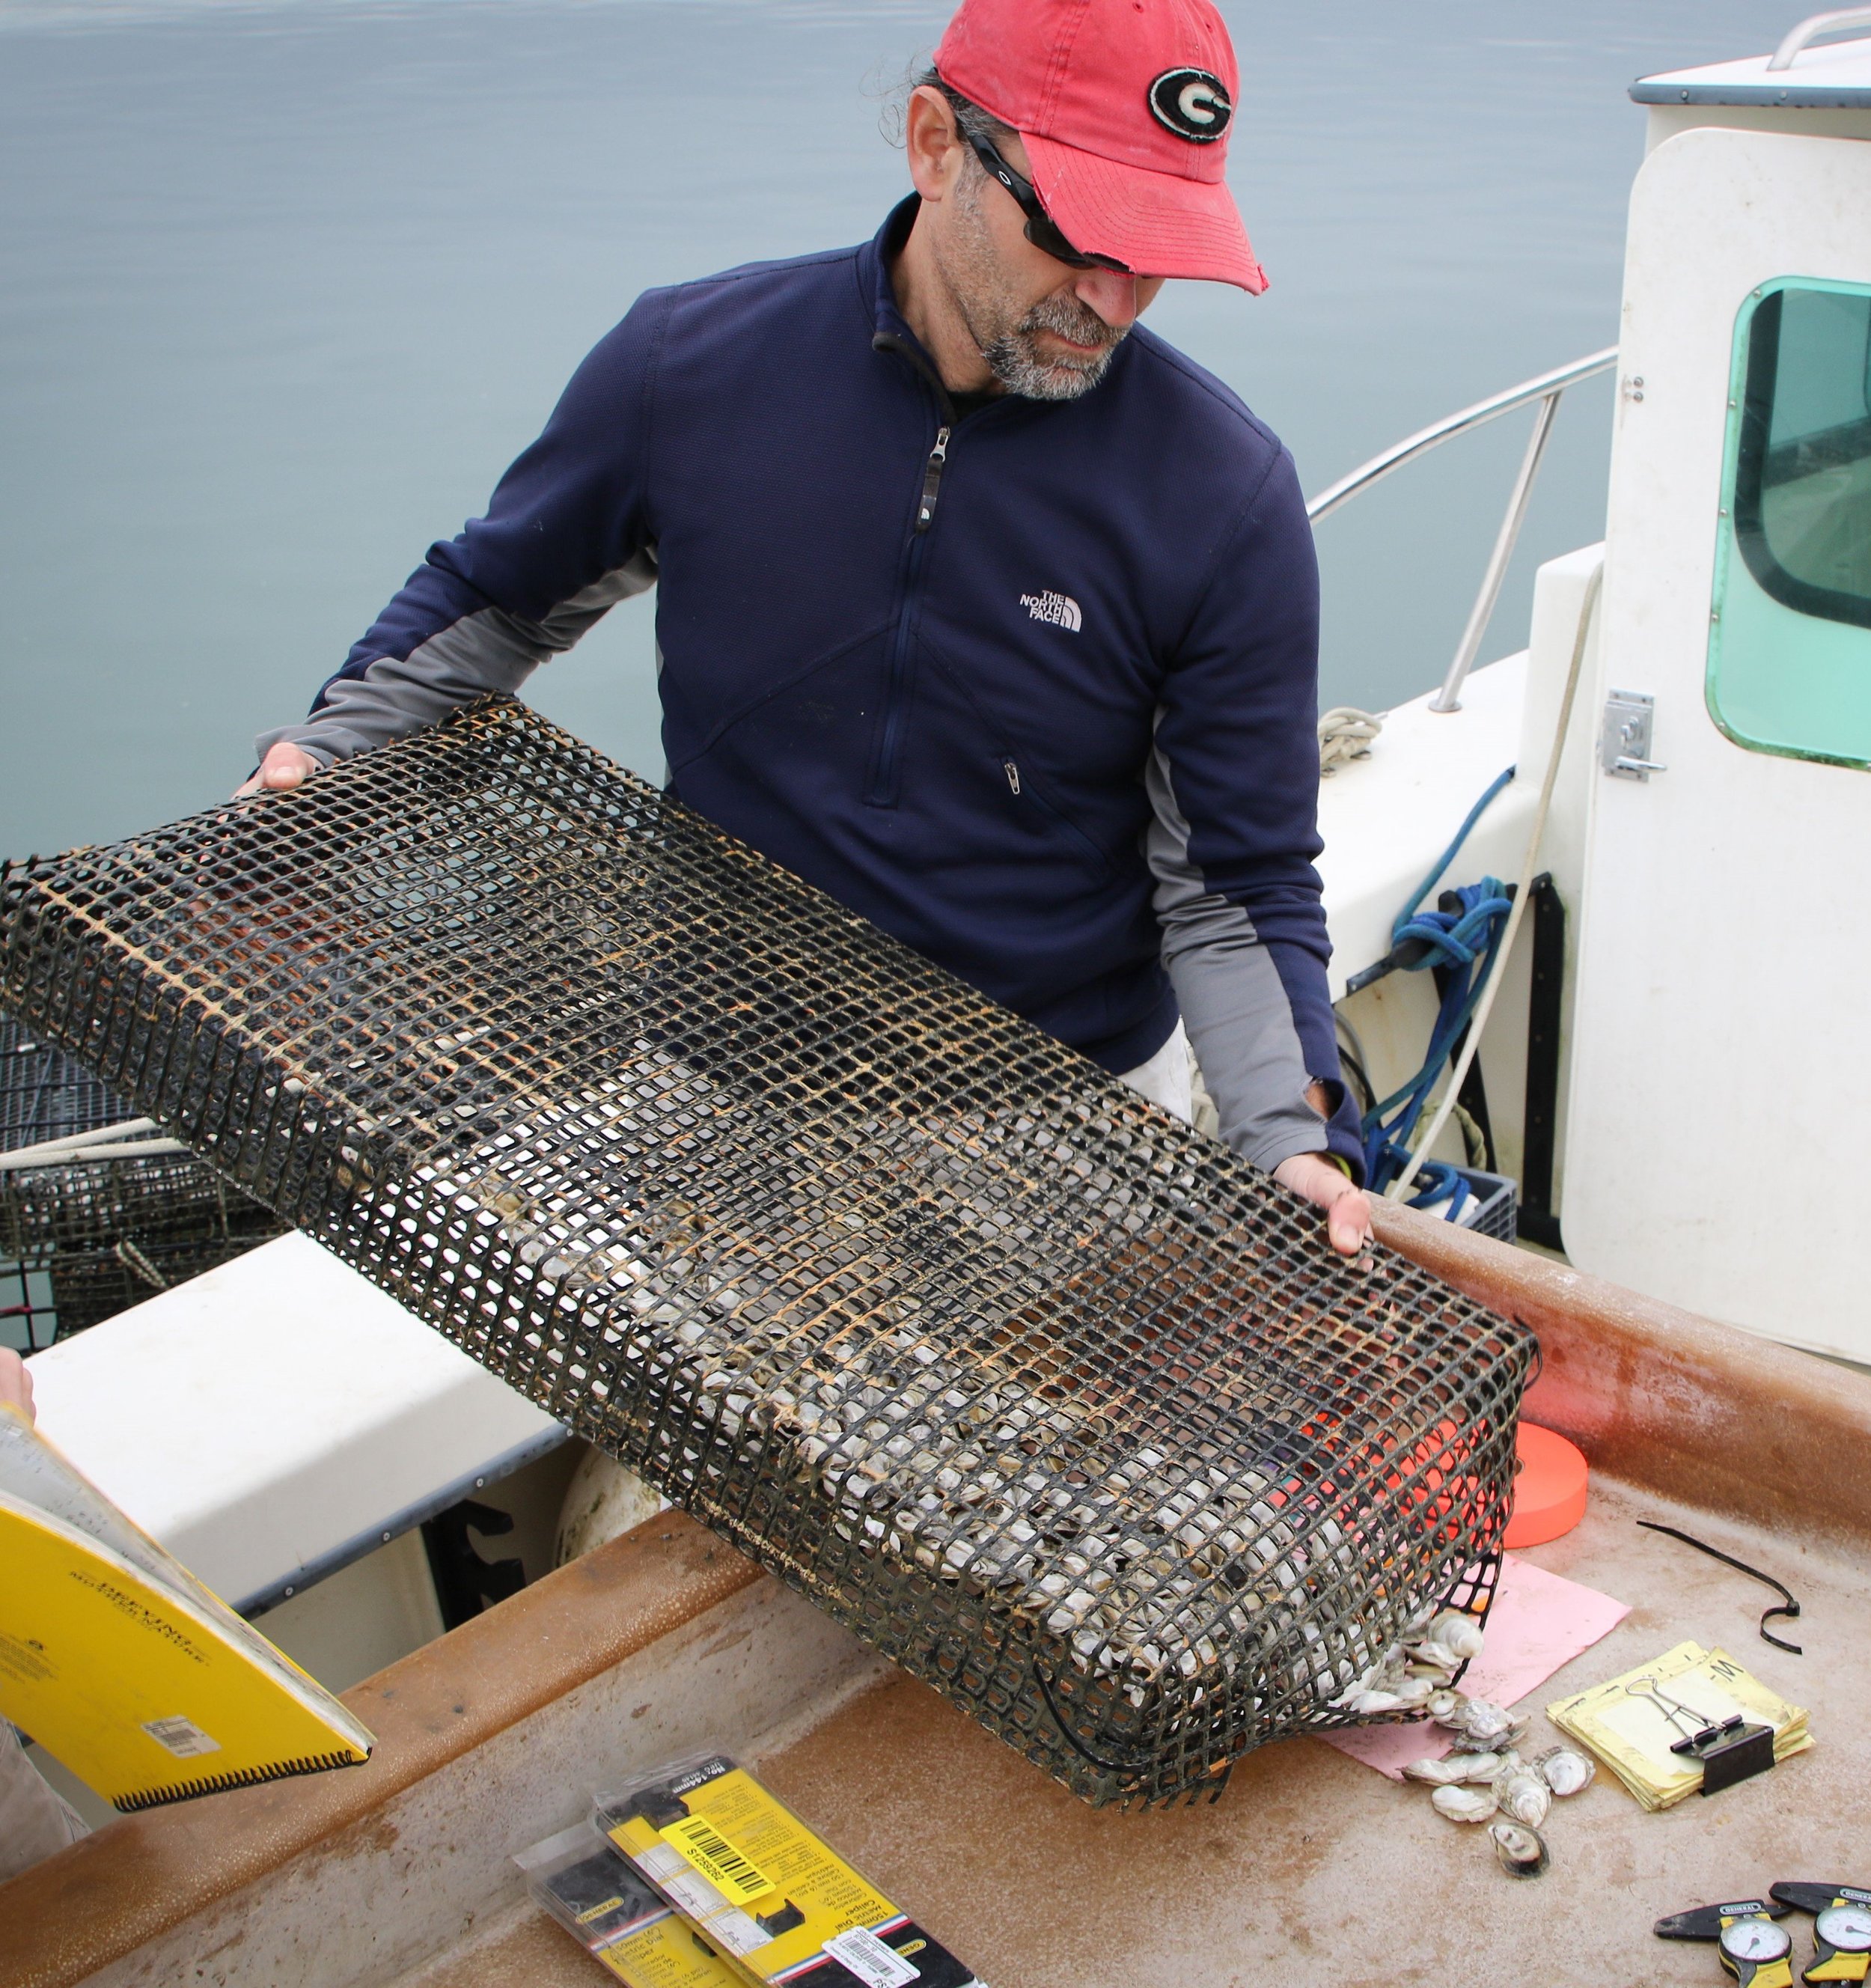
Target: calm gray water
{"x": 283, "y": 288}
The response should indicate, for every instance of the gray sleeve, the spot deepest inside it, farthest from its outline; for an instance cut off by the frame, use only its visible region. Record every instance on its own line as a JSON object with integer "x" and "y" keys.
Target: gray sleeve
{"x": 1234, "y": 1003}
{"x": 489, "y": 650}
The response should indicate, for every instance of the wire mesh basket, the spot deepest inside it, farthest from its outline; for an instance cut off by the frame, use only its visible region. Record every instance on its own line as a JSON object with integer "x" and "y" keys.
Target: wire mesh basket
{"x": 89, "y": 1286}
{"x": 1055, "y": 1401}
{"x": 44, "y": 1095}
{"x": 109, "y": 1230}
{"x": 170, "y": 1199}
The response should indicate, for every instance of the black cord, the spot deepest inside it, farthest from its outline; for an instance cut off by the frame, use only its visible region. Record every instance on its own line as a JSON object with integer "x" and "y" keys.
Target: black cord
{"x": 1350, "y": 1062}
{"x": 1073, "y": 1739}
{"x": 1789, "y": 1607}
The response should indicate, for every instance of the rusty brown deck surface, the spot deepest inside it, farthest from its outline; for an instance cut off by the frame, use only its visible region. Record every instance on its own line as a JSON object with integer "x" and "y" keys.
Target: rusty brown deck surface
{"x": 1310, "y": 1869}
{"x": 1313, "y": 1869}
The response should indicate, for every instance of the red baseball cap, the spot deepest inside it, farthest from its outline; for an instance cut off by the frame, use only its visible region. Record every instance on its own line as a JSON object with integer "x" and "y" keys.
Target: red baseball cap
{"x": 1124, "y": 106}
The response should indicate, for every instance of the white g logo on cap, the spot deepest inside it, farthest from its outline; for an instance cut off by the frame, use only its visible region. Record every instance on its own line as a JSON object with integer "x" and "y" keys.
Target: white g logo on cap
{"x": 1192, "y": 103}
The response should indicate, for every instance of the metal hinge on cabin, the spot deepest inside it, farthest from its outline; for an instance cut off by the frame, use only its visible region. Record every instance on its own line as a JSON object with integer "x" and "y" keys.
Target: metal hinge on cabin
{"x": 1624, "y": 743}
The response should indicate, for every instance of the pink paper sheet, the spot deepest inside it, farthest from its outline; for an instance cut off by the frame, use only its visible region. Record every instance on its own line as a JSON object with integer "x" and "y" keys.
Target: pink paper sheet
{"x": 1539, "y": 1621}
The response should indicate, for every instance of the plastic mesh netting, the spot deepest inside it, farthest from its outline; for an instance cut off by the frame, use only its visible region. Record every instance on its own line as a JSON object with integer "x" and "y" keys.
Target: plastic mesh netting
{"x": 112, "y": 1230}
{"x": 89, "y": 1286}
{"x": 44, "y": 1095}
{"x": 1053, "y": 1400}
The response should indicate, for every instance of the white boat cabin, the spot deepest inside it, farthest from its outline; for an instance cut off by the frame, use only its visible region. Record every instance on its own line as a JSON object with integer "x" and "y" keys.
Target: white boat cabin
{"x": 1711, "y": 809}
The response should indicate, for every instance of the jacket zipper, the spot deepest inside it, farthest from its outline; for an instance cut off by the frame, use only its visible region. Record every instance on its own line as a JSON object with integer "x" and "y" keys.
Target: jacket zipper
{"x": 1013, "y": 777}
{"x": 883, "y": 778}
{"x": 882, "y": 788}
{"x": 932, "y": 480}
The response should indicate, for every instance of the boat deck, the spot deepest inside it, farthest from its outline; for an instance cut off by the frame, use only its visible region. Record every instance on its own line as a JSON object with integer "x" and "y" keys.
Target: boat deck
{"x": 1312, "y": 1868}
{"x": 1309, "y": 1869}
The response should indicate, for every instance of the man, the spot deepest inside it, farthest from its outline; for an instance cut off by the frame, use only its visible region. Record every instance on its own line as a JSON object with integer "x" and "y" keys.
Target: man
{"x": 990, "y": 614}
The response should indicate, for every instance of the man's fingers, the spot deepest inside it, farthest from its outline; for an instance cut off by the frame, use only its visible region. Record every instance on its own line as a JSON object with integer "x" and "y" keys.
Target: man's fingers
{"x": 1348, "y": 1213}
{"x": 1349, "y": 1222}
{"x": 286, "y": 766}
{"x": 15, "y": 1382}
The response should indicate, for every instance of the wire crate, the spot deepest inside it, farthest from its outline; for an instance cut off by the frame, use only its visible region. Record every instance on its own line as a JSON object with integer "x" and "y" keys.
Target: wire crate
{"x": 102, "y": 1233}
{"x": 1054, "y": 1400}
{"x": 44, "y": 1095}
{"x": 159, "y": 1198}
{"x": 89, "y": 1286}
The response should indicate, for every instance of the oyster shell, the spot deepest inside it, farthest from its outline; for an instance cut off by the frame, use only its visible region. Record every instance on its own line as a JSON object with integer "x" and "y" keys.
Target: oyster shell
{"x": 1520, "y": 1848}
{"x": 1523, "y": 1795}
{"x": 1450, "y": 1771}
{"x": 1566, "y": 1770}
{"x": 1476, "y": 1719}
{"x": 1454, "y": 1635}
{"x": 1465, "y": 1804}
{"x": 1505, "y": 1740}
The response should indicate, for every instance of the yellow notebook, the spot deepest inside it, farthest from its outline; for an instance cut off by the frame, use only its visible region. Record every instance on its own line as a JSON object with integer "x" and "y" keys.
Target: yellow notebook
{"x": 118, "y": 1662}
{"x": 1628, "y": 1725}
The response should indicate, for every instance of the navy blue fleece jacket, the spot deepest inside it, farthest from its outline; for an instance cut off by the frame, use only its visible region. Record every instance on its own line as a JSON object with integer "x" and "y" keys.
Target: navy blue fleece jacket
{"x": 1033, "y": 689}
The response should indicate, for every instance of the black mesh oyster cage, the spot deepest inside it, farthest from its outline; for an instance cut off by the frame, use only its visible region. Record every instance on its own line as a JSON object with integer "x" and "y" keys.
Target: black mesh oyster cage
{"x": 1053, "y": 1400}
{"x": 44, "y": 1095}
{"x": 110, "y": 1224}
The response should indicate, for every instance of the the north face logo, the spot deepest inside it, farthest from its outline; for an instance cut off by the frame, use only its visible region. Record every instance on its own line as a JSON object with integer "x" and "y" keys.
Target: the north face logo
{"x": 1060, "y": 609}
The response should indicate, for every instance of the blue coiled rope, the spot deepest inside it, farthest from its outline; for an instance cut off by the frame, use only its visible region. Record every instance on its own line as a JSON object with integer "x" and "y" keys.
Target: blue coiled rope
{"x": 1463, "y": 934}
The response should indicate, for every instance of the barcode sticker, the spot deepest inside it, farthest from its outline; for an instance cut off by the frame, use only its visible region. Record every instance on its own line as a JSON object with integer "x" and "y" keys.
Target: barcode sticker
{"x": 700, "y": 1843}
{"x": 860, "y": 1952}
{"x": 183, "y": 1737}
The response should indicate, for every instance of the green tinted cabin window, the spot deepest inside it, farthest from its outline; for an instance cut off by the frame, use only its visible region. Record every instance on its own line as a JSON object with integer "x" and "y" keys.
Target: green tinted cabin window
{"x": 1790, "y": 650}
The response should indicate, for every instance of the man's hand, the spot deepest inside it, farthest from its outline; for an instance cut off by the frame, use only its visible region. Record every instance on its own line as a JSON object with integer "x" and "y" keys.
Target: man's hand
{"x": 1348, "y": 1214}
{"x": 285, "y": 767}
{"x": 15, "y": 1383}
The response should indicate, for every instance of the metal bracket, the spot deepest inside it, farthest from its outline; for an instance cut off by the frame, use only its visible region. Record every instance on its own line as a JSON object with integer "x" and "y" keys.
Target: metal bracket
{"x": 1624, "y": 743}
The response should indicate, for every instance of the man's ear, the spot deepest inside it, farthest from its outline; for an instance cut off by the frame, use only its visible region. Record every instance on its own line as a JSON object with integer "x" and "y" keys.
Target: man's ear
{"x": 935, "y": 147}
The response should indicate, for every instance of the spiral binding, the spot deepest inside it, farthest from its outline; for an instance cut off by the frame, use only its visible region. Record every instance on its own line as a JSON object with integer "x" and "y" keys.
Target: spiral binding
{"x": 240, "y": 1777}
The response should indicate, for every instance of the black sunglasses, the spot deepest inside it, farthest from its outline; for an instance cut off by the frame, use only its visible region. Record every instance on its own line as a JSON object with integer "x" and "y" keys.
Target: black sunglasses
{"x": 1041, "y": 230}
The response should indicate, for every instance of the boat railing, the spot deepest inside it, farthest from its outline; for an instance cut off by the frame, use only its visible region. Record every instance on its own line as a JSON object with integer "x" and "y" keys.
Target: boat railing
{"x": 1548, "y": 389}
{"x": 1836, "y": 22}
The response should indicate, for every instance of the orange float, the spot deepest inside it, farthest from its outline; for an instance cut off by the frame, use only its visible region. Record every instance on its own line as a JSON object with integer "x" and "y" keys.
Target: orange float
{"x": 1549, "y": 1488}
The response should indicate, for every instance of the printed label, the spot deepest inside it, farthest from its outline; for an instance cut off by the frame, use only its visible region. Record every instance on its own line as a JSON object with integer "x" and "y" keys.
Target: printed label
{"x": 183, "y": 1737}
{"x": 23, "y": 1658}
{"x": 598, "y": 1911}
{"x": 697, "y": 1839}
{"x": 738, "y": 1932}
{"x": 1058, "y": 609}
{"x": 876, "y": 1965}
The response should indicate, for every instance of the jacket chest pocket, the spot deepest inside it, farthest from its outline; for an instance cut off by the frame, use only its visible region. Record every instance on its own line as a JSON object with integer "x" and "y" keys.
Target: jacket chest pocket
{"x": 1019, "y": 807}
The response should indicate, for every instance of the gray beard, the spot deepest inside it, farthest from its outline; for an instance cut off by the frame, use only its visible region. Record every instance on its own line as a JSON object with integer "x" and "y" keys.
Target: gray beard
{"x": 1014, "y": 357}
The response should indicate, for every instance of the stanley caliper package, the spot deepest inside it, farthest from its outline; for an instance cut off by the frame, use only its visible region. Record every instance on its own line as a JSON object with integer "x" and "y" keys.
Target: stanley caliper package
{"x": 758, "y": 1884}
{"x": 599, "y": 1897}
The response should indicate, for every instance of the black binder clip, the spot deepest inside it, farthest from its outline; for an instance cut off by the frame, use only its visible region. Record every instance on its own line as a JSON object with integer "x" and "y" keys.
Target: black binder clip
{"x": 1730, "y": 1750}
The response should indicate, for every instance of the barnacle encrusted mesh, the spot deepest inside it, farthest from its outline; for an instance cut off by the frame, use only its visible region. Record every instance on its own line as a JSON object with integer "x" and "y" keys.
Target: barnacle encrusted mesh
{"x": 1051, "y": 1399}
